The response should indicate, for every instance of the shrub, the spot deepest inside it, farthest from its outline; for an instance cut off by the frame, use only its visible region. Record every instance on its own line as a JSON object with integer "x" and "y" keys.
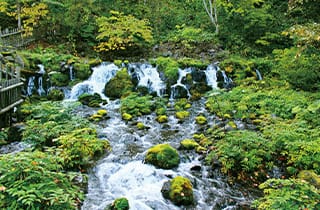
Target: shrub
{"x": 80, "y": 147}
{"x": 55, "y": 95}
{"x": 292, "y": 194}
{"x": 35, "y": 181}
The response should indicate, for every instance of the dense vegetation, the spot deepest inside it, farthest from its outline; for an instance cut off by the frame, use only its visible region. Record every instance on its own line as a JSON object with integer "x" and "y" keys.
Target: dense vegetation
{"x": 279, "y": 38}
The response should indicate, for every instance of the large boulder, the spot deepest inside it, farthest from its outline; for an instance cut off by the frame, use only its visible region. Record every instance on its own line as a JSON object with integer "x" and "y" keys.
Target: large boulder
{"x": 179, "y": 191}
{"x": 119, "y": 85}
{"x": 163, "y": 156}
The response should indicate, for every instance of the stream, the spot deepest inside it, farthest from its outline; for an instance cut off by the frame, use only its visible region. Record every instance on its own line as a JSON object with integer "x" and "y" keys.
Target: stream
{"x": 122, "y": 172}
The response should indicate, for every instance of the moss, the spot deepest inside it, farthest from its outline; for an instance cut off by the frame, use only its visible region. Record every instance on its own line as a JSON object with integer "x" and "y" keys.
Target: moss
{"x": 120, "y": 85}
{"x": 162, "y": 119}
{"x": 82, "y": 71}
{"x": 117, "y": 63}
{"x": 91, "y": 100}
{"x": 170, "y": 67}
{"x": 102, "y": 112}
{"x": 126, "y": 116}
{"x": 181, "y": 191}
{"x": 188, "y": 144}
{"x": 163, "y": 156}
{"x": 190, "y": 62}
{"x": 181, "y": 115}
{"x": 140, "y": 126}
{"x": 201, "y": 120}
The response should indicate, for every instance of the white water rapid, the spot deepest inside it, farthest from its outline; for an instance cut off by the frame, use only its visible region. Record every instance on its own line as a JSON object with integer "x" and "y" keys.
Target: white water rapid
{"x": 97, "y": 81}
{"x": 122, "y": 173}
{"x": 211, "y": 74}
{"x": 148, "y": 76}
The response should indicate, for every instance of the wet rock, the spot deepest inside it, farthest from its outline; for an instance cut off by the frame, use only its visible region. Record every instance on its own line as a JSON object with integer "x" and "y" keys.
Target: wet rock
{"x": 196, "y": 168}
{"x": 179, "y": 191}
{"x": 179, "y": 92}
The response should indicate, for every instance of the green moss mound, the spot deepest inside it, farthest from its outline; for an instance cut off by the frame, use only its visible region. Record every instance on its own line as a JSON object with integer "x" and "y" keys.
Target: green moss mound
{"x": 119, "y": 85}
{"x": 119, "y": 204}
{"x": 163, "y": 156}
{"x": 188, "y": 144}
{"x": 179, "y": 190}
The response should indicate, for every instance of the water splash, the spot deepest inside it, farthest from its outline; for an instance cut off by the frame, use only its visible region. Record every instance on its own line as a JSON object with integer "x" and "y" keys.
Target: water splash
{"x": 97, "y": 81}
{"x": 149, "y": 77}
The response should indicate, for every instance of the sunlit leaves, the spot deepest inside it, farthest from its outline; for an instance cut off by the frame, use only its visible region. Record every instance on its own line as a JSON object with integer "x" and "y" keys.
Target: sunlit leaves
{"x": 120, "y": 31}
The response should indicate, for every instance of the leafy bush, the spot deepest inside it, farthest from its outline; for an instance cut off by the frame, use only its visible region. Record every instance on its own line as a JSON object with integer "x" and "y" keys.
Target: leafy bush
{"x": 300, "y": 67}
{"x": 80, "y": 147}
{"x": 137, "y": 105}
{"x": 35, "y": 181}
{"x": 120, "y": 31}
{"x": 243, "y": 152}
{"x": 284, "y": 194}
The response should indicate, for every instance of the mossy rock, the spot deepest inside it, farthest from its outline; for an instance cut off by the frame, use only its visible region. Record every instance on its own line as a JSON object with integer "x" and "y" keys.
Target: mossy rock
{"x": 91, "y": 100}
{"x": 99, "y": 115}
{"x": 102, "y": 112}
{"x": 55, "y": 95}
{"x": 188, "y": 144}
{"x": 179, "y": 191}
{"x": 201, "y": 120}
{"x": 181, "y": 115}
{"x": 120, "y": 85}
{"x": 127, "y": 117}
{"x": 311, "y": 177}
{"x": 82, "y": 71}
{"x": 119, "y": 204}
{"x": 162, "y": 119}
{"x": 140, "y": 126}
{"x": 163, "y": 156}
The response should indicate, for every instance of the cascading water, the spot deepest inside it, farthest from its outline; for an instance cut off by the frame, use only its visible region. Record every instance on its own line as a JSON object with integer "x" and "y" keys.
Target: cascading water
{"x": 211, "y": 74}
{"x": 123, "y": 174}
{"x": 71, "y": 74}
{"x": 97, "y": 81}
{"x": 30, "y": 86}
{"x": 148, "y": 76}
{"x": 259, "y": 76}
{"x": 41, "y": 72}
{"x": 176, "y": 88}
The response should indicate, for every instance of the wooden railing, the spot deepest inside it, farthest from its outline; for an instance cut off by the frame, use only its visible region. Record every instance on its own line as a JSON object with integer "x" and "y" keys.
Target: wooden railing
{"x": 10, "y": 88}
{"x": 14, "y": 37}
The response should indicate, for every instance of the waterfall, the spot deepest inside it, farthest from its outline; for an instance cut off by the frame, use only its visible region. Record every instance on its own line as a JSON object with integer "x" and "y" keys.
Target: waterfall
{"x": 41, "y": 72}
{"x": 227, "y": 81}
{"x": 259, "y": 76}
{"x": 211, "y": 74}
{"x": 30, "y": 86}
{"x": 97, "y": 81}
{"x": 179, "y": 86}
{"x": 71, "y": 74}
{"x": 149, "y": 77}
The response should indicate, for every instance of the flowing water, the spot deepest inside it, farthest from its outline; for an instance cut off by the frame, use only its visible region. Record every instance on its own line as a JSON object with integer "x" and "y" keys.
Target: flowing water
{"x": 122, "y": 172}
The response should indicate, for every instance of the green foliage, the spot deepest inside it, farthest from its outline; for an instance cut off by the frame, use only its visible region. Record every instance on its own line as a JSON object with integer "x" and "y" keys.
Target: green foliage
{"x": 257, "y": 101}
{"x": 80, "y": 147}
{"x": 47, "y": 121}
{"x": 163, "y": 156}
{"x": 120, "y": 31}
{"x": 35, "y": 181}
{"x": 299, "y": 67}
{"x": 55, "y": 95}
{"x": 243, "y": 152}
{"x": 190, "y": 62}
{"x": 119, "y": 204}
{"x": 137, "y": 105}
{"x": 3, "y": 137}
{"x": 284, "y": 194}
{"x": 120, "y": 85}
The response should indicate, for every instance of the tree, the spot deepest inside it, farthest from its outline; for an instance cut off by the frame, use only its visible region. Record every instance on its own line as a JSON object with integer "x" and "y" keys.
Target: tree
{"x": 211, "y": 9}
{"x": 119, "y": 31}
